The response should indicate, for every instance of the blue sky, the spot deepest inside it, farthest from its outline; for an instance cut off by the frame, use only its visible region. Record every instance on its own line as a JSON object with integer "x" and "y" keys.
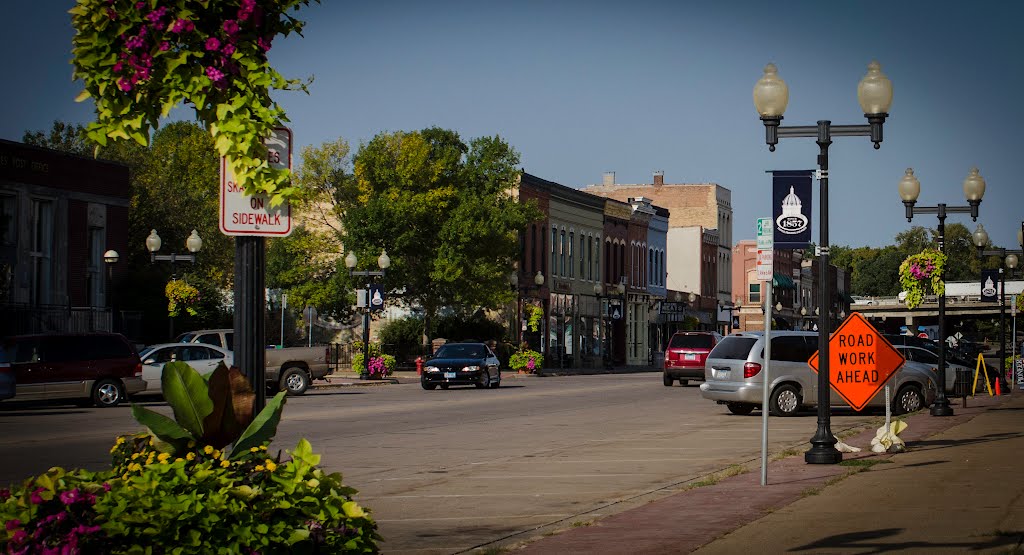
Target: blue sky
{"x": 581, "y": 88}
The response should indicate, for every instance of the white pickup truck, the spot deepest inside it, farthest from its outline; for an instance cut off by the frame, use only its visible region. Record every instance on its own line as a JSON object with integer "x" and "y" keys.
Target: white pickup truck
{"x": 291, "y": 369}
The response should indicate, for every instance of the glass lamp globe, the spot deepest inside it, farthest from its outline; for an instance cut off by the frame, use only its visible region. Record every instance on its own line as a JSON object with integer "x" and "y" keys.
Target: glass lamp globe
{"x": 111, "y": 257}
{"x": 874, "y": 92}
{"x": 383, "y": 260}
{"x": 194, "y": 243}
{"x": 153, "y": 241}
{"x": 771, "y": 94}
{"x": 909, "y": 186}
{"x": 539, "y": 279}
{"x": 980, "y": 236}
{"x": 974, "y": 186}
{"x": 351, "y": 260}
{"x": 1011, "y": 261}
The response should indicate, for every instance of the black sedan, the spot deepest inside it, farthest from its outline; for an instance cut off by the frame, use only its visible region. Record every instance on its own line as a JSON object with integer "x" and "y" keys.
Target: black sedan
{"x": 462, "y": 364}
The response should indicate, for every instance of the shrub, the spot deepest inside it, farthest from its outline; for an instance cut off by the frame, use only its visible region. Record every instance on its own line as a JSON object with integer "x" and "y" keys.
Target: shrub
{"x": 200, "y": 483}
{"x": 526, "y": 359}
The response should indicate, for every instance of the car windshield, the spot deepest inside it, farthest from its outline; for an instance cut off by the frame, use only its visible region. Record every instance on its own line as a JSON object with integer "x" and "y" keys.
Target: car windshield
{"x": 460, "y": 351}
{"x": 733, "y": 347}
{"x": 691, "y": 341}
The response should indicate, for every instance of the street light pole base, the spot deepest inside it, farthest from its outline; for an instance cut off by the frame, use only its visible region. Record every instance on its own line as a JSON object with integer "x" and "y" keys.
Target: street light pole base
{"x": 823, "y": 454}
{"x": 941, "y": 410}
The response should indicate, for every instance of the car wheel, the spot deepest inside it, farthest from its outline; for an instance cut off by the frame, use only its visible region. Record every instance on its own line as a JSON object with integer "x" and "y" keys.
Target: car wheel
{"x": 428, "y": 386}
{"x": 741, "y": 409}
{"x": 107, "y": 393}
{"x": 667, "y": 380}
{"x": 908, "y": 399}
{"x": 485, "y": 381}
{"x": 444, "y": 386}
{"x": 295, "y": 381}
{"x": 785, "y": 401}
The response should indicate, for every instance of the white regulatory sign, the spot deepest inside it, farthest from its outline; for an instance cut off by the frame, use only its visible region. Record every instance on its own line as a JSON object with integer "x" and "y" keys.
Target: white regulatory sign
{"x": 242, "y": 214}
{"x": 765, "y": 252}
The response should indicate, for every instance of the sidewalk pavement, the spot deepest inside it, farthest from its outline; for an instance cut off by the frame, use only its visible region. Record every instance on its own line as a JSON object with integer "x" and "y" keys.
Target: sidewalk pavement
{"x": 956, "y": 489}
{"x": 348, "y": 379}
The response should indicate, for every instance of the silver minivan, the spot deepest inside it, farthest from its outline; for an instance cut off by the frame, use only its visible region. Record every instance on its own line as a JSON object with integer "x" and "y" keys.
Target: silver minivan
{"x": 732, "y": 376}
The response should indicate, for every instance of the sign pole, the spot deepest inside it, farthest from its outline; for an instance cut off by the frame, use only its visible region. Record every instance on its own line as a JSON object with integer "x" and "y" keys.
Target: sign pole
{"x": 765, "y": 274}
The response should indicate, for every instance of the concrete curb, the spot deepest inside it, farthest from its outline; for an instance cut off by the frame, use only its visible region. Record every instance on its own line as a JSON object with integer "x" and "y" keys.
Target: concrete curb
{"x": 345, "y": 379}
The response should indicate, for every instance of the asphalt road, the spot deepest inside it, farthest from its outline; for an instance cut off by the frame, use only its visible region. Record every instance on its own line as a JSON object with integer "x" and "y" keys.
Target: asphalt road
{"x": 450, "y": 471}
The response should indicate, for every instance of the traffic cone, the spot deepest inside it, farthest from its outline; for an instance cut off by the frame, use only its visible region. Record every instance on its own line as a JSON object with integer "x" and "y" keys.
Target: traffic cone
{"x": 999, "y": 390}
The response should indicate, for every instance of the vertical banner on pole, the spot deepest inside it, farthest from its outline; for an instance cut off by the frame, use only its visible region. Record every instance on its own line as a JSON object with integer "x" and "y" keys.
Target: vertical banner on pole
{"x": 791, "y": 208}
{"x": 989, "y": 286}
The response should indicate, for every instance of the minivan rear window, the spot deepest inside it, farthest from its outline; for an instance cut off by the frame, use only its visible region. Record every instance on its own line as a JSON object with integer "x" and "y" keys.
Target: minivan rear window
{"x": 733, "y": 347}
{"x": 691, "y": 341}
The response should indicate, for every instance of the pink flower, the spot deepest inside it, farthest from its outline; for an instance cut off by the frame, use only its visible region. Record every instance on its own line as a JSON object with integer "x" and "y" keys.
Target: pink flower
{"x": 4, "y": 494}
{"x": 35, "y": 498}
{"x": 183, "y": 26}
{"x": 165, "y": 46}
{"x": 135, "y": 42}
{"x": 246, "y": 10}
{"x": 214, "y": 74}
{"x": 118, "y": 67}
{"x": 531, "y": 364}
{"x": 140, "y": 5}
{"x": 124, "y": 84}
{"x": 19, "y": 537}
{"x": 69, "y": 497}
{"x": 228, "y": 49}
{"x": 111, "y": 14}
{"x": 13, "y": 523}
{"x": 106, "y": 486}
{"x": 264, "y": 44}
{"x": 212, "y": 43}
{"x": 231, "y": 26}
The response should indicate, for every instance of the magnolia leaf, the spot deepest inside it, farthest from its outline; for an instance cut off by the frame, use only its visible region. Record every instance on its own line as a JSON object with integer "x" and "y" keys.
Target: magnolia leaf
{"x": 262, "y": 428}
{"x": 82, "y": 96}
{"x": 232, "y": 399}
{"x": 161, "y": 426}
{"x": 186, "y": 392}
{"x": 298, "y": 535}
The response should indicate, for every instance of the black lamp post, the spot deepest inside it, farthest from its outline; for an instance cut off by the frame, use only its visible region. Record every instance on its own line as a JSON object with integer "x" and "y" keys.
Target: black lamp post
{"x": 771, "y": 95}
{"x": 194, "y": 243}
{"x": 598, "y": 292}
{"x": 974, "y": 189}
{"x": 383, "y": 261}
{"x": 110, "y": 258}
{"x": 730, "y": 309}
{"x": 1009, "y": 257}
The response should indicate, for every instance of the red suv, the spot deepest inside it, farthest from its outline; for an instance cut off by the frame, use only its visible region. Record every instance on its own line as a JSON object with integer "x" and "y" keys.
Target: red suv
{"x": 90, "y": 368}
{"x": 685, "y": 355}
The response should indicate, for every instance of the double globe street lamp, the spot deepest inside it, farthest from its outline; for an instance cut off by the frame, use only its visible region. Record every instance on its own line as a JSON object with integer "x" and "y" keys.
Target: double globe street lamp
{"x": 974, "y": 188}
{"x": 1010, "y": 260}
{"x": 383, "y": 262}
{"x": 153, "y": 243}
{"x": 771, "y": 95}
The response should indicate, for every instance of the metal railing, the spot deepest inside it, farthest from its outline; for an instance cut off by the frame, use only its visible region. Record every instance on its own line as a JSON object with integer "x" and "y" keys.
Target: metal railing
{"x": 21, "y": 319}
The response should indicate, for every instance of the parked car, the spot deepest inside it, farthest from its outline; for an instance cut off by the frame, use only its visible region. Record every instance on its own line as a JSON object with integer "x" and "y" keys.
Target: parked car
{"x": 733, "y": 376}
{"x": 7, "y": 381}
{"x": 96, "y": 368}
{"x": 204, "y": 358}
{"x": 220, "y": 337}
{"x": 685, "y": 356}
{"x": 462, "y": 364}
{"x": 931, "y": 359}
{"x": 290, "y": 369}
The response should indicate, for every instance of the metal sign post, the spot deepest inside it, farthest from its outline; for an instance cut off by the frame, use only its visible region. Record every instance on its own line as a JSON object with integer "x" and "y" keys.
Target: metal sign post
{"x": 765, "y": 267}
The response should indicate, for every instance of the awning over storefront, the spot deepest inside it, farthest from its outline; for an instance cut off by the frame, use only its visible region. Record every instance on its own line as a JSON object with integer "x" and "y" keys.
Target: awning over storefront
{"x": 783, "y": 281}
{"x": 844, "y": 296}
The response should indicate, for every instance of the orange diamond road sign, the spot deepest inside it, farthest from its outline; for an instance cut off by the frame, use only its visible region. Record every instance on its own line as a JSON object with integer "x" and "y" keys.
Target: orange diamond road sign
{"x": 860, "y": 361}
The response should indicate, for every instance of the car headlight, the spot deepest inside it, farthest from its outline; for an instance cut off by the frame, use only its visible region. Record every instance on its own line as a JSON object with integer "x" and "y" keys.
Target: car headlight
{"x": 471, "y": 369}
{"x": 432, "y": 369}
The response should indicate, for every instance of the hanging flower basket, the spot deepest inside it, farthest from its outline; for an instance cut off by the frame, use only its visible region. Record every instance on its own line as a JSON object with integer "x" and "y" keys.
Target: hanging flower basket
{"x": 181, "y": 295}
{"x": 534, "y": 314}
{"x": 921, "y": 274}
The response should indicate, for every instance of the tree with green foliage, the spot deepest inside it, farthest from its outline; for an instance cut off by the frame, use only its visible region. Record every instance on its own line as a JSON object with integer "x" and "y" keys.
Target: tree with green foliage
{"x": 444, "y": 212}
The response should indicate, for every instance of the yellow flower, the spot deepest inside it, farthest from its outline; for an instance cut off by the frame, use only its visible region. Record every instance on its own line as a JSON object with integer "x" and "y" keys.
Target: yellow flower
{"x": 263, "y": 447}
{"x": 162, "y": 457}
{"x": 178, "y": 460}
{"x": 225, "y": 464}
{"x": 253, "y": 449}
{"x": 124, "y": 476}
{"x": 216, "y": 454}
{"x": 119, "y": 441}
{"x": 208, "y": 449}
{"x": 271, "y": 465}
{"x": 136, "y": 455}
{"x": 190, "y": 456}
{"x": 149, "y": 459}
{"x": 259, "y": 468}
{"x": 152, "y": 441}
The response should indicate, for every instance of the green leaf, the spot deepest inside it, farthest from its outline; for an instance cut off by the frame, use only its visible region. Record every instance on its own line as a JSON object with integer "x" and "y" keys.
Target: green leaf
{"x": 262, "y": 428}
{"x": 162, "y": 427}
{"x": 186, "y": 392}
{"x": 82, "y": 96}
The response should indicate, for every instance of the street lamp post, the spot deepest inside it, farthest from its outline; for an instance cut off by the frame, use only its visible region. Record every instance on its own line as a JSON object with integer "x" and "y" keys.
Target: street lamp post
{"x": 110, "y": 258}
{"x": 771, "y": 95}
{"x": 730, "y": 309}
{"x": 1009, "y": 259}
{"x": 383, "y": 261}
{"x": 974, "y": 188}
{"x": 598, "y": 292}
{"x": 153, "y": 243}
